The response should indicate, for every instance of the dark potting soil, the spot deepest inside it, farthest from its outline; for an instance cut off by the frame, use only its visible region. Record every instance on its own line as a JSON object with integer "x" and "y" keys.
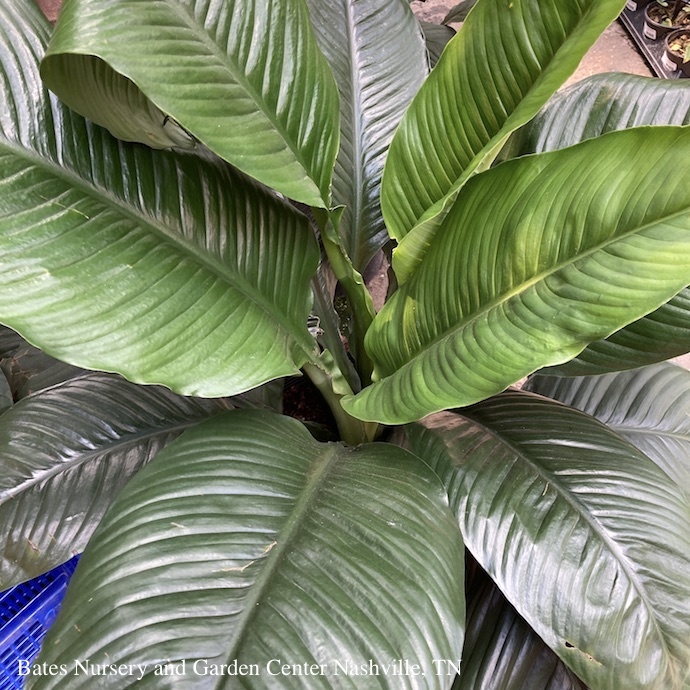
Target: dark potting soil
{"x": 302, "y": 401}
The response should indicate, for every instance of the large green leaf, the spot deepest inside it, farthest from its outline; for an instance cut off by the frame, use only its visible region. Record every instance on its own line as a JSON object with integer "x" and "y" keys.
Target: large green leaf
{"x": 6, "y": 397}
{"x": 600, "y": 104}
{"x": 165, "y": 268}
{"x": 66, "y": 451}
{"x": 585, "y": 535}
{"x": 27, "y": 368}
{"x": 493, "y": 77}
{"x": 539, "y": 256}
{"x": 649, "y": 407}
{"x": 243, "y": 76}
{"x": 10, "y": 342}
{"x": 597, "y": 105}
{"x": 661, "y": 335}
{"x": 378, "y": 57}
{"x": 247, "y": 540}
{"x": 437, "y": 37}
{"x": 502, "y": 652}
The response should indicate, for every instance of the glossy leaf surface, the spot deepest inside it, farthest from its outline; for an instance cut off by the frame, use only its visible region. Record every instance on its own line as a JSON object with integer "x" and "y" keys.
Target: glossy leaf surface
{"x": 437, "y": 37}
{"x": 246, "y": 539}
{"x": 6, "y": 398}
{"x": 65, "y": 452}
{"x": 245, "y": 77}
{"x": 600, "y": 104}
{"x": 650, "y": 407}
{"x": 163, "y": 267}
{"x": 661, "y": 335}
{"x": 585, "y": 535}
{"x": 502, "y": 652}
{"x": 540, "y": 256}
{"x": 494, "y": 76}
{"x": 27, "y": 368}
{"x": 597, "y": 105}
{"x": 377, "y": 53}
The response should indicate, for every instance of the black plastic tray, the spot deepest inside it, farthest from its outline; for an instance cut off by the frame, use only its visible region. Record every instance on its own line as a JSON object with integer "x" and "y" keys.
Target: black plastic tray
{"x": 652, "y": 51}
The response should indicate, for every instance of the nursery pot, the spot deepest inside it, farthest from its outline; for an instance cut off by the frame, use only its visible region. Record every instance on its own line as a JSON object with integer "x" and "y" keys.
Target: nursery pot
{"x": 673, "y": 60}
{"x": 634, "y": 5}
{"x": 652, "y": 29}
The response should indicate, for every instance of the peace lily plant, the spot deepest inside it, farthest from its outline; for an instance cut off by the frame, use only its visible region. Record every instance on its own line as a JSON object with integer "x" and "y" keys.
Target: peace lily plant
{"x": 186, "y": 188}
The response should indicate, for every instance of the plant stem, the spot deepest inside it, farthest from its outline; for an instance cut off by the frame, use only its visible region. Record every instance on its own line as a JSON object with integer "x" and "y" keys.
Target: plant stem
{"x": 323, "y": 306}
{"x": 352, "y": 431}
{"x": 360, "y": 302}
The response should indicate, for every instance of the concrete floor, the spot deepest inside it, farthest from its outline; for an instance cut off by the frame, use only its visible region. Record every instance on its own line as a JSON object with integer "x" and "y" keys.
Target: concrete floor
{"x": 50, "y": 8}
{"x": 613, "y": 52}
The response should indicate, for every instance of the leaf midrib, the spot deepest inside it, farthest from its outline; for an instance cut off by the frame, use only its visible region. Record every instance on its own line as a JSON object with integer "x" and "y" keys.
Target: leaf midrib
{"x": 517, "y": 290}
{"x": 285, "y": 539}
{"x": 113, "y": 446}
{"x": 357, "y": 144}
{"x": 592, "y": 521}
{"x": 196, "y": 253}
{"x": 510, "y": 124}
{"x": 649, "y": 431}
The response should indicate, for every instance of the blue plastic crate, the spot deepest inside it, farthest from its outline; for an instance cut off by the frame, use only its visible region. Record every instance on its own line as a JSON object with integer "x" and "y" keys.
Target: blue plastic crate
{"x": 26, "y": 613}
